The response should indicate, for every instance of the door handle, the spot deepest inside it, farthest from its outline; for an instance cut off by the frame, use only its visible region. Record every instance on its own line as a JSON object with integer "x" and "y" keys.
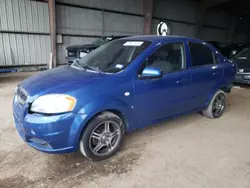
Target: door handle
{"x": 181, "y": 81}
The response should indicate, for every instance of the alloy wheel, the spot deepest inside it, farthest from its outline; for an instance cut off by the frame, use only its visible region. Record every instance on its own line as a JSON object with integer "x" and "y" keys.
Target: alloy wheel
{"x": 218, "y": 104}
{"x": 105, "y": 138}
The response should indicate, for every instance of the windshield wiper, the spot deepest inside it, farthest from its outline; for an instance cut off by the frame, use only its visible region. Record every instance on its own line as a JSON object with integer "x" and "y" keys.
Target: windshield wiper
{"x": 91, "y": 68}
{"x": 76, "y": 64}
{"x": 85, "y": 66}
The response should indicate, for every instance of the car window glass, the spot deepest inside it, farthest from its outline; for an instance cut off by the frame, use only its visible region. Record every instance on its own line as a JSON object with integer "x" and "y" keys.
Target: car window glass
{"x": 201, "y": 54}
{"x": 244, "y": 54}
{"x": 168, "y": 58}
{"x": 114, "y": 56}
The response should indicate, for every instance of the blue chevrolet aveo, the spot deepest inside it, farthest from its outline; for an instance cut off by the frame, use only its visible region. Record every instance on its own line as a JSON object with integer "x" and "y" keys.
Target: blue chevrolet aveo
{"x": 124, "y": 85}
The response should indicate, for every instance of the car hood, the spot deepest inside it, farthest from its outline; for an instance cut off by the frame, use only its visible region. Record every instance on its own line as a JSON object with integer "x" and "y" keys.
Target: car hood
{"x": 82, "y": 47}
{"x": 60, "y": 80}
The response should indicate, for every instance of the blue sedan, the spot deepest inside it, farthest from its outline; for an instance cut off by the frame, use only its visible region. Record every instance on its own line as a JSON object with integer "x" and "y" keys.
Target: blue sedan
{"x": 124, "y": 85}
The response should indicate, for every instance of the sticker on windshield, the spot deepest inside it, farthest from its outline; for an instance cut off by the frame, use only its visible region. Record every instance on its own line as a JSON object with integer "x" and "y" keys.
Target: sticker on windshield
{"x": 133, "y": 43}
{"x": 119, "y": 66}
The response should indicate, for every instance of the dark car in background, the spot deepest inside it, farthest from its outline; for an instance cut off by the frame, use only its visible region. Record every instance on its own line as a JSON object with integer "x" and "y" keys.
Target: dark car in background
{"x": 232, "y": 49}
{"x": 77, "y": 52}
{"x": 228, "y": 50}
{"x": 242, "y": 61}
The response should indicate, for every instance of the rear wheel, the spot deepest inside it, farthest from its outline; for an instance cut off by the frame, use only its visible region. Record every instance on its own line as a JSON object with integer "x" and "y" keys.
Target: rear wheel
{"x": 216, "y": 106}
{"x": 102, "y": 137}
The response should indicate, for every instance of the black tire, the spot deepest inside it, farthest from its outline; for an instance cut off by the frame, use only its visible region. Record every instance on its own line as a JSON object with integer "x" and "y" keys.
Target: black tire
{"x": 86, "y": 142}
{"x": 209, "y": 111}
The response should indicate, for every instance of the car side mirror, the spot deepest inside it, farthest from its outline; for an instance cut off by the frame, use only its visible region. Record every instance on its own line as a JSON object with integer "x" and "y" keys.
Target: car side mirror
{"x": 151, "y": 73}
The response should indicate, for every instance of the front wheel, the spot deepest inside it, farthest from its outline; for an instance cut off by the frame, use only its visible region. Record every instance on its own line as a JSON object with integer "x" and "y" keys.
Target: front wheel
{"x": 216, "y": 106}
{"x": 102, "y": 137}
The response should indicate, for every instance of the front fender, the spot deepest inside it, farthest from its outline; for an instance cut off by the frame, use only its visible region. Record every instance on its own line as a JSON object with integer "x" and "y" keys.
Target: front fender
{"x": 108, "y": 103}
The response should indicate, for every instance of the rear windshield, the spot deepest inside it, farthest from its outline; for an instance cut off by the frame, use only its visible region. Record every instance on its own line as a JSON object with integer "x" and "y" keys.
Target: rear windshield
{"x": 115, "y": 55}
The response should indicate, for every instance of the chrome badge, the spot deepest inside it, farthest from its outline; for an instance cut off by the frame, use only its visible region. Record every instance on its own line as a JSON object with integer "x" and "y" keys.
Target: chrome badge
{"x": 241, "y": 70}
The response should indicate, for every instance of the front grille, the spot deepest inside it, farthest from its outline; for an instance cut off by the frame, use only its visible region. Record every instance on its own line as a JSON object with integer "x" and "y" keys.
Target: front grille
{"x": 72, "y": 54}
{"x": 38, "y": 141}
{"x": 21, "y": 96}
{"x": 239, "y": 77}
{"x": 246, "y": 70}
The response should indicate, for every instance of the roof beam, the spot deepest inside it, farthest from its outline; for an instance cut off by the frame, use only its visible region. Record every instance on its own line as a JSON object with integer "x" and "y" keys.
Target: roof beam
{"x": 211, "y": 3}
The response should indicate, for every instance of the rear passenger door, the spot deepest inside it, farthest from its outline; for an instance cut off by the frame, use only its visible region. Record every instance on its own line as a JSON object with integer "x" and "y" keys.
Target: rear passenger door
{"x": 206, "y": 73}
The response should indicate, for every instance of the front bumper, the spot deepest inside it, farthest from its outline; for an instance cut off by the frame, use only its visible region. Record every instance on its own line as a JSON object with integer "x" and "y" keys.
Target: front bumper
{"x": 242, "y": 78}
{"x": 51, "y": 134}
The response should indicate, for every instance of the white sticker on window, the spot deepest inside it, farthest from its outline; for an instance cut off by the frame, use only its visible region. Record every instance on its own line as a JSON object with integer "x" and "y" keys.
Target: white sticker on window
{"x": 119, "y": 66}
{"x": 133, "y": 43}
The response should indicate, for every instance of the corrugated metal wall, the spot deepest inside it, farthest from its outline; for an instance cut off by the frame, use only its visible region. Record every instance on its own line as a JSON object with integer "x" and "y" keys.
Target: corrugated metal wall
{"x": 129, "y": 6}
{"x": 23, "y": 49}
{"x": 181, "y": 15}
{"x": 118, "y": 24}
{"x": 24, "y": 25}
{"x": 24, "y": 29}
{"x": 179, "y": 10}
{"x": 81, "y": 24}
{"x": 76, "y": 20}
{"x": 72, "y": 20}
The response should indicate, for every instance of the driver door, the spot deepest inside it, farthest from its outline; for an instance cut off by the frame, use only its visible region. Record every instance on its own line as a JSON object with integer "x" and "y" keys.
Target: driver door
{"x": 166, "y": 96}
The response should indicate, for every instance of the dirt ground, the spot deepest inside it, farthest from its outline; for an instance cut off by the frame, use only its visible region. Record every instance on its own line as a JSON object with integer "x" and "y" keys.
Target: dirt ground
{"x": 190, "y": 151}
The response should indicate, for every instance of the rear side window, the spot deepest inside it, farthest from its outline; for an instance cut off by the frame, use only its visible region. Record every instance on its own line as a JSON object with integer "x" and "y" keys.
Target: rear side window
{"x": 201, "y": 55}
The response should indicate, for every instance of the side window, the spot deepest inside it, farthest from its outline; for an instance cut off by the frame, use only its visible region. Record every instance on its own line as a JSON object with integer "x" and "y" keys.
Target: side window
{"x": 168, "y": 58}
{"x": 201, "y": 55}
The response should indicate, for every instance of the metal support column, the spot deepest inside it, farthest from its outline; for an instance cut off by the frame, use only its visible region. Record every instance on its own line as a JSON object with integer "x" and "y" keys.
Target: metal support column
{"x": 200, "y": 16}
{"x": 103, "y": 24}
{"x": 231, "y": 30}
{"x": 148, "y": 11}
{"x": 52, "y": 19}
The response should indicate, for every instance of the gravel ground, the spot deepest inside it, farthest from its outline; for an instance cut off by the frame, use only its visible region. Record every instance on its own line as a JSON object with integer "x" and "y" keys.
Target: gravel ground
{"x": 190, "y": 151}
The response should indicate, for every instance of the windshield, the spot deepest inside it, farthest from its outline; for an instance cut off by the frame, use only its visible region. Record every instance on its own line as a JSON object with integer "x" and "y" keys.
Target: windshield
{"x": 114, "y": 56}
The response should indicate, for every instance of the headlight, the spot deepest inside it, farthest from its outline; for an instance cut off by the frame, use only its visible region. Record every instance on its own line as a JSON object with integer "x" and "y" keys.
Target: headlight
{"x": 53, "y": 103}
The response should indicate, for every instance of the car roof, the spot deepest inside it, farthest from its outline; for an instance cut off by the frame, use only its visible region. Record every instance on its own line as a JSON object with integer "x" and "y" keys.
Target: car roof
{"x": 116, "y": 36}
{"x": 153, "y": 38}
